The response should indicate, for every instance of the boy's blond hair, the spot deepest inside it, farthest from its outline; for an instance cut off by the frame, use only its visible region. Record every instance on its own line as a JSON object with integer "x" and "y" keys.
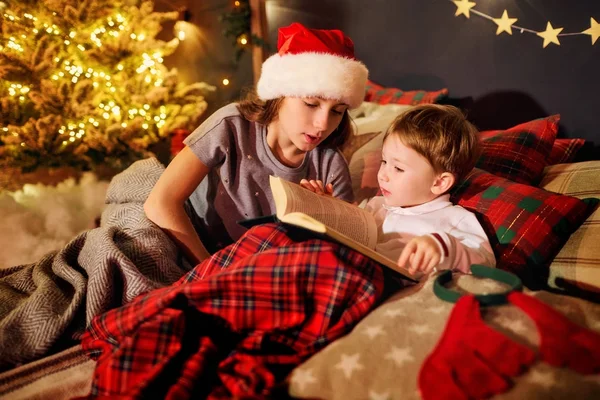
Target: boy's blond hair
{"x": 441, "y": 134}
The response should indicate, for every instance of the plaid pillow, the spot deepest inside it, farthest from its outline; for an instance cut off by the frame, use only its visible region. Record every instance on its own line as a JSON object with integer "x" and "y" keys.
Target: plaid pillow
{"x": 526, "y": 225}
{"x": 382, "y": 95}
{"x": 565, "y": 150}
{"x": 521, "y": 152}
{"x": 576, "y": 268}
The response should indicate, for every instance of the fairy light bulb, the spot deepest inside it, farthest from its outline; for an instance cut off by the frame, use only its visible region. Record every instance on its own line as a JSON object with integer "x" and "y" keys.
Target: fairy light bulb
{"x": 225, "y": 82}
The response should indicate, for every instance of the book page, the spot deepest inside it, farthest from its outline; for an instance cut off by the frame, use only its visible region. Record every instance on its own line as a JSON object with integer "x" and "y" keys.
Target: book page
{"x": 345, "y": 218}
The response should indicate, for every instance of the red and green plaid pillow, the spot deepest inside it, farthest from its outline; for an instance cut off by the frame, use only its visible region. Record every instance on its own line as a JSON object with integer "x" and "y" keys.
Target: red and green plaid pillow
{"x": 378, "y": 94}
{"x": 565, "y": 150}
{"x": 521, "y": 152}
{"x": 526, "y": 225}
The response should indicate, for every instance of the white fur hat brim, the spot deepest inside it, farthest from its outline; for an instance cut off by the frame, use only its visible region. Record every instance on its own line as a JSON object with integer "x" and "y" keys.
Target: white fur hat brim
{"x": 313, "y": 75}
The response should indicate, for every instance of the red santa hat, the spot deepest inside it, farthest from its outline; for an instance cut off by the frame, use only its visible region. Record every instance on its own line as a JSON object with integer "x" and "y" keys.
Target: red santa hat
{"x": 313, "y": 62}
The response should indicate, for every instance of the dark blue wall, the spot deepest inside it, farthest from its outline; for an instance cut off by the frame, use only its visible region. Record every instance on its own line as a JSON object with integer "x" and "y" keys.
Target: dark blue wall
{"x": 501, "y": 80}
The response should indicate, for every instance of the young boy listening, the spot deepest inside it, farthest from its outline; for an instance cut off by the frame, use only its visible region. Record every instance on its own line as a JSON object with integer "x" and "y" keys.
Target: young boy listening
{"x": 426, "y": 151}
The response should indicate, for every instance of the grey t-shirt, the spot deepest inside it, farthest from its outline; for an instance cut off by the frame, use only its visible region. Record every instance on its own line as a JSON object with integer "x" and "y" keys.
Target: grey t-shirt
{"x": 237, "y": 187}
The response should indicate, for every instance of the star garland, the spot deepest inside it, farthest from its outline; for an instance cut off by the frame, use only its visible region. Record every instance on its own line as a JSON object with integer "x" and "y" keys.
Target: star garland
{"x": 505, "y": 24}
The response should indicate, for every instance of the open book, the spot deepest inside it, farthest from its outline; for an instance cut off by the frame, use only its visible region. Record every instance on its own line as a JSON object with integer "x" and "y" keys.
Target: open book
{"x": 341, "y": 221}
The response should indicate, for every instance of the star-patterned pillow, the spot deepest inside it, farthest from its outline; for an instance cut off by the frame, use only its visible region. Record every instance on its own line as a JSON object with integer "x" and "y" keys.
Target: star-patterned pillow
{"x": 380, "y": 359}
{"x": 526, "y": 225}
{"x": 521, "y": 152}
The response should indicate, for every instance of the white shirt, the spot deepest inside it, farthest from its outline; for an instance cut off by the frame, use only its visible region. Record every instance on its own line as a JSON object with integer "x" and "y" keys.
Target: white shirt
{"x": 457, "y": 231}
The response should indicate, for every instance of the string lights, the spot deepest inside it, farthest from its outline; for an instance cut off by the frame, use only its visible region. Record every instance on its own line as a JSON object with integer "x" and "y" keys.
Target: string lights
{"x": 99, "y": 86}
{"x": 237, "y": 27}
{"x": 505, "y": 24}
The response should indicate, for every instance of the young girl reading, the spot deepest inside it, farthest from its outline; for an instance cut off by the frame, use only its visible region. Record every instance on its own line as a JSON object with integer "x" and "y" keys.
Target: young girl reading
{"x": 291, "y": 129}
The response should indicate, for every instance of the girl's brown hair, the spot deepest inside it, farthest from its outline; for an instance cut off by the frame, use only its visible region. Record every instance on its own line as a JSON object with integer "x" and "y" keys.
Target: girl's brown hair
{"x": 266, "y": 111}
{"x": 441, "y": 134}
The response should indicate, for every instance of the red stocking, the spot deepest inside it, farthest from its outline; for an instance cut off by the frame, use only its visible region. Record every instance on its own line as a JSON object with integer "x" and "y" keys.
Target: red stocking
{"x": 562, "y": 343}
{"x": 471, "y": 360}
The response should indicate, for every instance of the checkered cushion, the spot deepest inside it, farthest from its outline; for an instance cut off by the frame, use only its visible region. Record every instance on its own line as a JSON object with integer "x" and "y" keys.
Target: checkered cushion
{"x": 526, "y": 225}
{"x": 565, "y": 150}
{"x": 521, "y": 152}
{"x": 576, "y": 268}
{"x": 382, "y": 95}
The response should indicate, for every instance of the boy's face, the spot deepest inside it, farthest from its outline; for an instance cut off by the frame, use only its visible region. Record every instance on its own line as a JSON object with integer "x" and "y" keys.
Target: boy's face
{"x": 405, "y": 177}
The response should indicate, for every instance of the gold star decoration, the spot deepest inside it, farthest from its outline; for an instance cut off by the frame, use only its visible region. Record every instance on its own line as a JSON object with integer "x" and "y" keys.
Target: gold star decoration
{"x": 504, "y": 23}
{"x": 550, "y": 35}
{"x": 463, "y": 7}
{"x": 594, "y": 30}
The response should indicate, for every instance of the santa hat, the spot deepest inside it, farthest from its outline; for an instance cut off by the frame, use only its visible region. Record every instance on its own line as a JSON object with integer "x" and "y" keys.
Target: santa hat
{"x": 313, "y": 62}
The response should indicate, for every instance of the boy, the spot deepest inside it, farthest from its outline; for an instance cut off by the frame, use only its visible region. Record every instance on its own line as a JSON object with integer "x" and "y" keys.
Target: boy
{"x": 426, "y": 151}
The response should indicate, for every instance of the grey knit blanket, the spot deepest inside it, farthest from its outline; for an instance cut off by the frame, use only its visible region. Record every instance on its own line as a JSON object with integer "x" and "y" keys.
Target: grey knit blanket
{"x": 52, "y": 301}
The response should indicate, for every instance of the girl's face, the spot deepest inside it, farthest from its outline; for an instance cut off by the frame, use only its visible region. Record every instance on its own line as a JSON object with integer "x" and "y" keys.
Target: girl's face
{"x": 306, "y": 122}
{"x": 405, "y": 177}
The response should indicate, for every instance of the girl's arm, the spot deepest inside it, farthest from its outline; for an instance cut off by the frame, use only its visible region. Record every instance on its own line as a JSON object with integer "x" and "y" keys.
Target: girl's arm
{"x": 165, "y": 204}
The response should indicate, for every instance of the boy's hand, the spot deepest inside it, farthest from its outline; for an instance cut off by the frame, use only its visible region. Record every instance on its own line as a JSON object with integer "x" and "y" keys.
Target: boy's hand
{"x": 421, "y": 254}
{"x": 317, "y": 186}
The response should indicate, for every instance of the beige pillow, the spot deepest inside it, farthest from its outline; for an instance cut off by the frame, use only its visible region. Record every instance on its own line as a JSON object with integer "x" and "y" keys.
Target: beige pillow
{"x": 577, "y": 265}
{"x": 381, "y": 357}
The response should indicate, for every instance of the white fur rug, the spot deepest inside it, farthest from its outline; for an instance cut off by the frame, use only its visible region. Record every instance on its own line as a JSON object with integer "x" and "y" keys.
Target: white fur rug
{"x": 38, "y": 219}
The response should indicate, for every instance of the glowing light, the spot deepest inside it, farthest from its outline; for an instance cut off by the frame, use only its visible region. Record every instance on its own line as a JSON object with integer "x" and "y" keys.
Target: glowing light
{"x": 225, "y": 82}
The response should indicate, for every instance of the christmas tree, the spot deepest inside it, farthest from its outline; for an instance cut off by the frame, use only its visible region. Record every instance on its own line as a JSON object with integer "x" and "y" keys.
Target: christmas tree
{"x": 82, "y": 83}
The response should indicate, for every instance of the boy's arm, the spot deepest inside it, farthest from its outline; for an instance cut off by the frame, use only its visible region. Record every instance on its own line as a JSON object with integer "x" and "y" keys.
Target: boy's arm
{"x": 465, "y": 245}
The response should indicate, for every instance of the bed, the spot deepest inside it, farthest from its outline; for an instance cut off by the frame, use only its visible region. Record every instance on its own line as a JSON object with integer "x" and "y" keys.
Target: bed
{"x": 534, "y": 191}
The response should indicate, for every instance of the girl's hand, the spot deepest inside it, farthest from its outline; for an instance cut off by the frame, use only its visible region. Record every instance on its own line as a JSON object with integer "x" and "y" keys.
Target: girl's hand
{"x": 316, "y": 186}
{"x": 421, "y": 254}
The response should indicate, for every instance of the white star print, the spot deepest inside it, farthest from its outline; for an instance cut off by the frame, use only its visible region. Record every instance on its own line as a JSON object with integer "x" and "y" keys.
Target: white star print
{"x": 398, "y": 312}
{"x": 349, "y": 363}
{"x": 489, "y": 285}
{"x": 595, "y": 325}
{"x": 436, "y": 310}
{"x": 564, "y": 308}
{"x": 515, "y": 325}
{"x": 421, "y": 329}
{"x": 303, "y": 377}
{"x": 400, "y": 355}
{"x": 541, "y": 378}
{"x": 410, "y": 299}
{"x": 374, "y": 331}
{"x": 373, "y": 395}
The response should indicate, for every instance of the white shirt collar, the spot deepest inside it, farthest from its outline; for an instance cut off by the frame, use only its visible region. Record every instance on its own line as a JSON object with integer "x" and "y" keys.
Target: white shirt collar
{"x": 438, "y": 203}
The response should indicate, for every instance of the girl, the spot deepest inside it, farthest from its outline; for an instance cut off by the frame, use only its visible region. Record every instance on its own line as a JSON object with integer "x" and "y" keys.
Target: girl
{"x": 291, "y": 129}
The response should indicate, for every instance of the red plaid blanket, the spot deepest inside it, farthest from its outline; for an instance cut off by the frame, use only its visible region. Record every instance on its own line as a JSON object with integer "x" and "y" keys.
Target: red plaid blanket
{"x": 237, "y": 324}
